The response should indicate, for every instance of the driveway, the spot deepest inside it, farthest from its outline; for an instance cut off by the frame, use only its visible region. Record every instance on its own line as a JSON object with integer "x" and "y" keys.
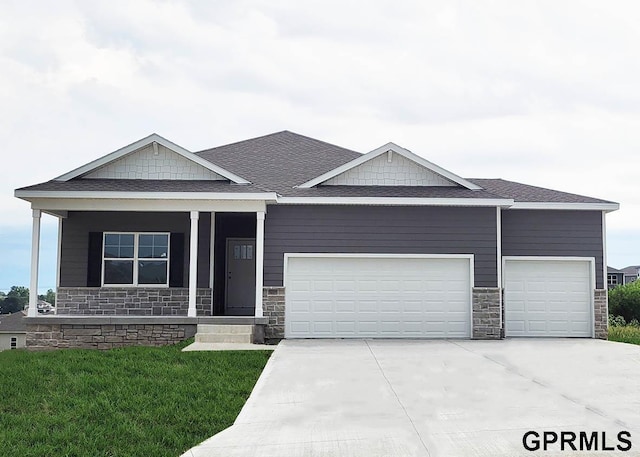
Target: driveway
{"x": 434, "y": 398}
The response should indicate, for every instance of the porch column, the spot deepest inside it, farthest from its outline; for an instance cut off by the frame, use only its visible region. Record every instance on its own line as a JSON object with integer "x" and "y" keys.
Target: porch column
{"x": 193, "y": 263}
{"x": 35, "y": 257}
{"x": 259, "y": 261}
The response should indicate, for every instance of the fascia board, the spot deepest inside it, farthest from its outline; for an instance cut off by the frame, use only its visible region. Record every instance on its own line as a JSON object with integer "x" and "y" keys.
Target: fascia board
{"x": 32, "y": 194}
{"x": 567, "y": 206}
{"x": 400, "y": 201}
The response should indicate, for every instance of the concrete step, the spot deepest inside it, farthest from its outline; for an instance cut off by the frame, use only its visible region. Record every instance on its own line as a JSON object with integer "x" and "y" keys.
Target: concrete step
{"x": 225, "y": 328}
{"x": 224, "y": 338}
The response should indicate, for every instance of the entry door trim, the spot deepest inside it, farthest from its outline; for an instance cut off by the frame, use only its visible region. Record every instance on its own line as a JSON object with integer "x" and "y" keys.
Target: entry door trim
{"x": 592, "y": 279}
{"x": 226, "y": 264}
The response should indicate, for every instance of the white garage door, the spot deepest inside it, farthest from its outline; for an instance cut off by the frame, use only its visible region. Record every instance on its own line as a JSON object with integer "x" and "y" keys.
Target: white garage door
{"x": 347, "y": 296}
{"x": 548, "y": 297}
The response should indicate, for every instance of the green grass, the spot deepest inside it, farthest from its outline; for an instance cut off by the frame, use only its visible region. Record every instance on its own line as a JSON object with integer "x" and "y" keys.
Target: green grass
{"x": 625, "y": 334}
{"x": 123, "y": 402}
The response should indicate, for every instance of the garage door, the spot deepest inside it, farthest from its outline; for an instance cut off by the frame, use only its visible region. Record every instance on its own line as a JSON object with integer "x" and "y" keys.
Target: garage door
{"x": 377, "y": 296}
{"x": 548, "y": 297}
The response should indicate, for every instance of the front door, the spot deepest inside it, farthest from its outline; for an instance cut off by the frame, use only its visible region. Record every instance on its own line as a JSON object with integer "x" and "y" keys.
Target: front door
{"x": 241, "y": 277}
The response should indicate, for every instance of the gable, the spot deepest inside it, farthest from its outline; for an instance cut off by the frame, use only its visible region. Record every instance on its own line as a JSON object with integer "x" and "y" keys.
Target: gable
{"x": 154, "y": 161}
{"x": 151, "y": 158}
{"x": 390, "y": 165}
{"x": 390, "y": 169}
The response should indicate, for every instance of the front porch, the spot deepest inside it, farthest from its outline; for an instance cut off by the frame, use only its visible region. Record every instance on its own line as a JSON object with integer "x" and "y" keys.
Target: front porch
{"x": 150, "y": 277}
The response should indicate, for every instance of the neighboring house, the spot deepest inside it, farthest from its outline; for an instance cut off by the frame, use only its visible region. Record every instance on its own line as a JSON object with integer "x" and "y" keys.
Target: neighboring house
{"x": 13, "y": 331}
{"x": 631, "y": 273}
{"x": 614, "y": 277}
{"x": 303, "y": 239}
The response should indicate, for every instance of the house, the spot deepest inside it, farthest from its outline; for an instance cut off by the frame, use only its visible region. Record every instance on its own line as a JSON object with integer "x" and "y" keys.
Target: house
{"x": 631, "y": 273}
{"x": 298, "y": 238}
{"x": 614, "y": 277}
{"x": 13, "y": 331}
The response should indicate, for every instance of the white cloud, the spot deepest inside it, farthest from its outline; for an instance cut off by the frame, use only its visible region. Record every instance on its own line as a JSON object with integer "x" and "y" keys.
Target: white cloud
{"x": 539, "y": 92}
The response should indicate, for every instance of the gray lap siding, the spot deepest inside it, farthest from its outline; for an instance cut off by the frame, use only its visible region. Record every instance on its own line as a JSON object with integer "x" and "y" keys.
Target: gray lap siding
{"x": 381, "y": 229}
{"x": 554, "y": 233}
{"x": 77, "y": 226}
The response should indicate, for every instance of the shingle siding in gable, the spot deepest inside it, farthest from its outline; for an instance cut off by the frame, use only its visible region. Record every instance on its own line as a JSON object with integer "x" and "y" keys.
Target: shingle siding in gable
{"x": 146, "y": 164}
{"x": 380, "y": 172}
{"x": 378, "y": 229}
{"x": 554, "y": 233}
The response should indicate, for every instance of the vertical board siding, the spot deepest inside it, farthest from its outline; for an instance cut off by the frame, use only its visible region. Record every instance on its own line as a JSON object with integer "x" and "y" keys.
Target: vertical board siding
{"x": 383, "y": 230}
{"x": 554, "y": 233}
{"x": 77, "y": 226}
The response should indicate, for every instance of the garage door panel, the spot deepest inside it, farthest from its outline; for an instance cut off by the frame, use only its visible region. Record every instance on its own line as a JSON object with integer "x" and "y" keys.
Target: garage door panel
{"x": 548, "y": 298}
{"x": 377, "y": 297}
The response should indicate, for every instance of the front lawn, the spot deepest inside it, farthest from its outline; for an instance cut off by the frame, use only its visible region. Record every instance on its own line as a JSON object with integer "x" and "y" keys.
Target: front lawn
{"x": 122, "y": 402}
{"x": 625, "y": 334}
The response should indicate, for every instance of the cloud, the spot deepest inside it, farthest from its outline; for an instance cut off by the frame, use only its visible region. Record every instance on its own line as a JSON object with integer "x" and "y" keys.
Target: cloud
{"x": 540, "y": 92}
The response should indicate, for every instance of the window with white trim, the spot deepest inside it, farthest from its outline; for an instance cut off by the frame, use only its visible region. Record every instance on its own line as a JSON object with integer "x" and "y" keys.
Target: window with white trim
{"x": 135, "y": 259}
{"x": 14, "y": 342}
{"x": 612, "y": 280}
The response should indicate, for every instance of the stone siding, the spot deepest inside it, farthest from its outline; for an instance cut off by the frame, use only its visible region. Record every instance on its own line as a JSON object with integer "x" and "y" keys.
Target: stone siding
{"x": 600, "y": 314}
{"x": 105, "y": 336}
{"x": 130, "y": 301}
{"x": 273, "y": 308}
{"x": 486, "y": 313}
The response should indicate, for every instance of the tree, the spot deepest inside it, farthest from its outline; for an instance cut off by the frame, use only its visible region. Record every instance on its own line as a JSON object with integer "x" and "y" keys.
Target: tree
{"x": 624, "y": 301}
{"x": 49, "y": 297}
{"x": 15, "y": 300}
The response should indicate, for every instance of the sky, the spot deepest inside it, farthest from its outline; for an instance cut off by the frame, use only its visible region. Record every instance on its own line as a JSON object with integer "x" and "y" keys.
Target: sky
{"x": 544, "y": 92}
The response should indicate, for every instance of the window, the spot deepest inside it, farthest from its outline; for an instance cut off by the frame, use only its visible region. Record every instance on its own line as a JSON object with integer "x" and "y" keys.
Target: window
{"x": 612, "y": 280}
{"x": 14, "y": 342}
{"x": 135, "y": 259}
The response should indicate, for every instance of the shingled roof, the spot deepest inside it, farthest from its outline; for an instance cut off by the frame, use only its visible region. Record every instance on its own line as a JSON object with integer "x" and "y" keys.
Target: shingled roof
{"x": 281, "y": 161}
{"x": 13, "y": 323}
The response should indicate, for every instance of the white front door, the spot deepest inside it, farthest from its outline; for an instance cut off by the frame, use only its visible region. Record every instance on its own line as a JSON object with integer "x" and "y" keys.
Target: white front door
{"x": 241, "y": 277}
{"x": 381, "y": 296}
{"x": 548, "y": 297}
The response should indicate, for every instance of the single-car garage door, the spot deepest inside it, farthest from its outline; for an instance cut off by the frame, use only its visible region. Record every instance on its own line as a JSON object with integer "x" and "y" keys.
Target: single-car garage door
{"x": 548, "y": 297}
{"x": 377, "y": 296}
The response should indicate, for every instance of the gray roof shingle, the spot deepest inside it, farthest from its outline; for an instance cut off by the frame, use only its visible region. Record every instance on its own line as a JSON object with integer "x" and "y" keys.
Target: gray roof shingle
{"x": 280, "y": 161}
{"x": 13, "y": 322}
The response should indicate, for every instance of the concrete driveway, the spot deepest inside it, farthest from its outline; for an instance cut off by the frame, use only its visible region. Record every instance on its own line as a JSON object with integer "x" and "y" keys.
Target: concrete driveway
{"x": 435, "y": 398}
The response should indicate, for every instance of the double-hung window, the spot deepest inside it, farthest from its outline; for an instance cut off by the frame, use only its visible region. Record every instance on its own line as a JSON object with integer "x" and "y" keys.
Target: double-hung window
{"x": 14, "y": 342}
{"x": 135, "y": 259}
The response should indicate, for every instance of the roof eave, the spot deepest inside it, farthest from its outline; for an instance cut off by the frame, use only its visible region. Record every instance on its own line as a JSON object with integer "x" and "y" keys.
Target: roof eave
{"x": 584, "y": 206}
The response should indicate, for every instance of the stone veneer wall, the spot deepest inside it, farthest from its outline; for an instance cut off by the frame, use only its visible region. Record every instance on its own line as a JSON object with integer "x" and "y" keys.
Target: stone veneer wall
{"x": 486, "y": 313}
{"x": 105, "y": 336}
{"x": 600, "y": 315}
{"x": 273, "y": 308}
{"x": 130, "y": 301}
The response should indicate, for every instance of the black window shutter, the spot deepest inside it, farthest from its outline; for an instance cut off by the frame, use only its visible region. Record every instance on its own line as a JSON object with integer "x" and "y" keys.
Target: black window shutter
{"x": 94, "y": 261}
{"x": 176, "y": 260}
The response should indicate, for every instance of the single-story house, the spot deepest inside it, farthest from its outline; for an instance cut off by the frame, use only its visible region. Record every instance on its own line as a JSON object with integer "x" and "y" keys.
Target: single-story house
{"x": 13, "y": 331}
{"x": 615, "y": 277}
{"x": 299, "y": 238}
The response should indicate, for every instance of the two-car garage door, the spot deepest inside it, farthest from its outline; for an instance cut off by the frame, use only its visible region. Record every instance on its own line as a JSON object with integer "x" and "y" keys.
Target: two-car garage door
{"x": 355, "y": 296}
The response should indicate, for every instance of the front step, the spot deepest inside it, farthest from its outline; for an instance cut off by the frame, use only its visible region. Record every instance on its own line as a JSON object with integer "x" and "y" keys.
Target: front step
{"x": 224, "y": 333}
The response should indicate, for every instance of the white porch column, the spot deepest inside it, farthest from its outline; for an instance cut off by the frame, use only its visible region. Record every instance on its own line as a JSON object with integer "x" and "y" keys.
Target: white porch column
{"x": 259, "y": 261}
{"x": 35, "y": 257}
{"x": 193, "y": 263}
